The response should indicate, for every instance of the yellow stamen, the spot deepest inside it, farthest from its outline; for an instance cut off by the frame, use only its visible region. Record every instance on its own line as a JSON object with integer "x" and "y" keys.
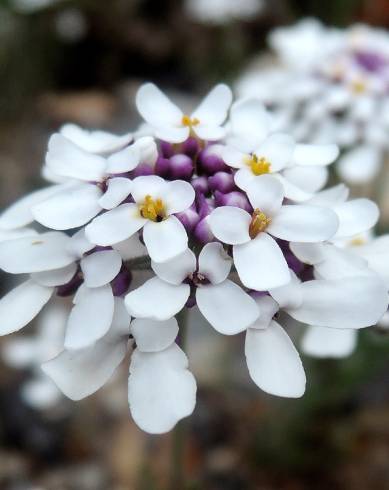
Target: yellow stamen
{"x": 358, "y": 87}
{"x": 189, "y": 122}
{"x": 258, "y": 165}
{"x": 357, "y": 242}
{"x": 259, "y": 223}
{"x": 37, "y": 242}
{"x": 152, "y": 209}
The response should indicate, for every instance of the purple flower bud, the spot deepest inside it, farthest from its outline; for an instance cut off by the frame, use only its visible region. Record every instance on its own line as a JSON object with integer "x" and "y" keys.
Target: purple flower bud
{"x": 200, "y": 185}
{"x": 181, "y": 167}
{"x": 222, "y": 181}
{"x": 167, "y": 149}
{"x": 203, "y": 233}
{"x": 162, "y": 166}
{"x": 189, "y": 218}
{"x": 190, "y": 147}
{"x": 122, "y": 282}
{"x": 70, "y": 287}
{"x": 204, "y": 206}
{"x": 210, "y": 160}
{"x": 142, "y": 169}
{"x": 235, "y": 198}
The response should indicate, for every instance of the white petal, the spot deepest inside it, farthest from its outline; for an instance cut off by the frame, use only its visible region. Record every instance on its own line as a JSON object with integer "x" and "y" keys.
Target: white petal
{"x": 292, "y": 191}
{"x": 166, "y": 239}
{"x": 119, "y": 188}
{"x": 214, "y": 107}
{"x": 21, "y": 305}
{"x": 115, "y": 225}
{"x": 352, "y": 302}
{"x": 161, "y": 390}
{"x": 209, "y": 133}
{"x": 124, "y": 160}
{"x": 68, "y": 160}
{"x": 56, "y": 277}
{"x": 79, "y": 373}
{"x": 20, "y": 214}
{"x": 79, "y": 244}
{"x": 277, "y": 149}
{"x": 40, "y": 393}
{"x": 309, "y": 179}
{"x": 290, "y": 295}
{"x": 148, "y": 185}
{"x": 176, "y": 270}
{"x": 261, "y": 264}
{"x": 100, "y": 267}
{"x": 214, "y": 262}
{"x": 90, "y": 317}
{"x": 338, "y": 263}
{"x": 152, "y": 335}
{"x": 227, "y": 307}
{"x": 268, "y": 307}
{"x": 94, "y": 141}
{"x": 6, "y": 235}
{"x": 131, "y": 248}
{"x": 266, "y": 194}
{"x": 309, "y": 253}
{"x": 360, "y": 164}
{"x": 249, "y": 120}
{"x": 234, "y": 158}
{"x": 331, "y": 196}
{"x": 70, "y": 208}
{"x": 315, "y": 154}
{"x": 243, "y": 177}
{"x": 147, "y": 149}
{"x": 156, "y": 108}
{"x": 273, "y": 362}
{"x": 157, "y": 299}
{"x": 303, "y": 223}
{"x": 45, "y": 252}
{"x": 329, "y": 342}
{"x": 178, "y": 196}
{"x": 356, "y": 216}
{"x": 230, "y": 224}
{"x": 172, "y": 134}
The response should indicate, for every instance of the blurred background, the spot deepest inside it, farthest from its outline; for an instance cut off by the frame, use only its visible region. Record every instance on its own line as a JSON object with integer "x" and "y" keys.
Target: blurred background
{"x": 82, "y": 61}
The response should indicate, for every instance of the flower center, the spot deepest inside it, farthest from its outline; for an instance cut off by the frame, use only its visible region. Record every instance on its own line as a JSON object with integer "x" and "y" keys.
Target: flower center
{"x": 358, "y": 87}
{"x": 153, "y": 209}
{"x": 197, "y": 279}
{"x": 258, "y": 165}
{"x": 259, "y": 223}
{"x": 357, "y": 242}
{"x": 189, "y": 122}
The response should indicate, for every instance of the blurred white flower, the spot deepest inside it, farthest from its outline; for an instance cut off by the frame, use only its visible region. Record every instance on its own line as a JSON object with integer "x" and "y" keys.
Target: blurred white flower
{"x": 223, "y": 11}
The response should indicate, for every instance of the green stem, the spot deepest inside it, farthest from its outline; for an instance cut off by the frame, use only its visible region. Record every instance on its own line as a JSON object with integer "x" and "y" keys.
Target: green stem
{"x": 177, "y": 474}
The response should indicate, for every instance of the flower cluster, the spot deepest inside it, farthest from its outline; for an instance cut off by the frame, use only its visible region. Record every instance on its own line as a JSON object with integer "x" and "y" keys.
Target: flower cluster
{"x": 225, "y": 217}
{"x": 332, "y": 85}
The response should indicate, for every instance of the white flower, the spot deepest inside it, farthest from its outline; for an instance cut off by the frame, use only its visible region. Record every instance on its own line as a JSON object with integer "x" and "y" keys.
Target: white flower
{"x": 171, "y": 124}
{"x": 223, "y": 303}
{"x": 161, "y": 389}
{"x": 94, "y": 185}
{"x": 325, "y": 342}
{"x": 156, "y": 202}
{"x": 257, "y": 256}
{"x": 360, "y": 164}
{"x": 100, "y": 142}
{"x": 223, "y": 11}
{"x": 254, "y": 151}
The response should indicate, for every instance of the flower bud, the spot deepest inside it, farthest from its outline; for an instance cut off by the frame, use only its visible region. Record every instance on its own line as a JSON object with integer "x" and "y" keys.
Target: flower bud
{"x": 121, "y": 282}
{"x": 203, "y": 232}
{"x": 200, "y": 185}
{"x": 190, "y": 147}
{"x": 181, "y": 167}
{"x": 189, "y": 218}
{"x": 235, "y": 198}
{"x": 221, "y": 181}
{"x": 162, "y": 166}
{"x": 167, "y": 149}
{"x": 70, "y": 287}
{"x": 211, "y": 161}
{"x": 142, "y": 169}
{"x": 204, "y": 206}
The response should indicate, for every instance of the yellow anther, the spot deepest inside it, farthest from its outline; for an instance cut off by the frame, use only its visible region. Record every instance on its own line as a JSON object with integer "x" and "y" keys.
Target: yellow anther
{"x": 259, "y": 223}
{"x": 358, "y": 87}
{"x": 357, "y": 242}
{"x": 37, "y": 242}
{"x": 258, "y": 165}
{"x": 190, "y": 122}
{"x": 152, "y": 209}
